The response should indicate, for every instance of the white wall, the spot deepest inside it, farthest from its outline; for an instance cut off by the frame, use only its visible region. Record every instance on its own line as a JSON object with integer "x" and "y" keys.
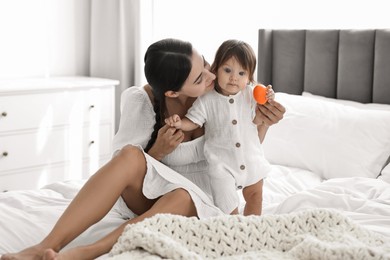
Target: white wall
{"x": 207, "y": 23}
{"x": 44, "y": 37}
{"x": 51, "y": 37}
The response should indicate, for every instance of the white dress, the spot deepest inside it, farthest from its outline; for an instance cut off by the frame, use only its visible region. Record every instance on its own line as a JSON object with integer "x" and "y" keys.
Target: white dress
{"x": 187, "y": 165}
{"x": 232, "y": 146}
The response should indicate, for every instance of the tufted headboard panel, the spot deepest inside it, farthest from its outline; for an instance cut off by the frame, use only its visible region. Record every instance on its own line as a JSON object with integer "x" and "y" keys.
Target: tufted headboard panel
{"x": 342, "y": 64}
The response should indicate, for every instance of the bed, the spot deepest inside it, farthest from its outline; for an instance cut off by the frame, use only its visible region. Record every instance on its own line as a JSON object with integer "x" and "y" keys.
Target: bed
{"x": 330, "y": 159}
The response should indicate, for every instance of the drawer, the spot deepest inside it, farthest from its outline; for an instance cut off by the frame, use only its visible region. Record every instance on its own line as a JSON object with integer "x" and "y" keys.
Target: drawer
{"x": 37, "y": 177}
{"x": 29, "y": 111}
{"x": 98, "y": 106}
{"x": 50, "y": 146}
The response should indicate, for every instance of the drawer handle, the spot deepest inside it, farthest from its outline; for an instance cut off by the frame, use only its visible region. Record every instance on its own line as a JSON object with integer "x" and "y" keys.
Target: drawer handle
{"x": 5, "y": 154}
{"x": 91, "y": 106}
{"x": 4, "y": 114}
{"x": 92, "y": 142}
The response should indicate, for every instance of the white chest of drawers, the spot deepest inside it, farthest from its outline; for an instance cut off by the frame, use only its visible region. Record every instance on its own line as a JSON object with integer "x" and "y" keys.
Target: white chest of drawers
{"x": 54, "y": 129}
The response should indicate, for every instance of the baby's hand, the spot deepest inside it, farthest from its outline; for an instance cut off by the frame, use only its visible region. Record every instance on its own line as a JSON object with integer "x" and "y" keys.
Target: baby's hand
{"x": 174, "y": 121}
{"x": 270, "y": 93}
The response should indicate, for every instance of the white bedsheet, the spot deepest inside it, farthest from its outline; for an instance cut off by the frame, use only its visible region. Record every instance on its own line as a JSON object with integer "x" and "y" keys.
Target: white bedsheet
{"x": 27, "y": 216}
{"x": 365, "y": 200}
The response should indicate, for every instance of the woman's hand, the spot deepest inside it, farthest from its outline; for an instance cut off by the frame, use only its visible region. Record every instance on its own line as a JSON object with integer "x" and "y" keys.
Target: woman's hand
{"x": 270, "y": 113}
{"x": 266, "y": 115}
{"x": 168, "y": 138}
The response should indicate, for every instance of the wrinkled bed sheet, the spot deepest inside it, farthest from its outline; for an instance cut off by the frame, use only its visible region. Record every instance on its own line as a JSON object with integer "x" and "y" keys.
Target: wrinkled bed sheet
{"x": 26, "y": 216}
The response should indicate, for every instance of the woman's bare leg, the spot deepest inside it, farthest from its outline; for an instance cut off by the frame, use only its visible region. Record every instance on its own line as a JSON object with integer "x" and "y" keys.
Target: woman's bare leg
{"x": 123, "y": 174}
{"x": 234, "y": 212}
{"x": 175, "y": 202}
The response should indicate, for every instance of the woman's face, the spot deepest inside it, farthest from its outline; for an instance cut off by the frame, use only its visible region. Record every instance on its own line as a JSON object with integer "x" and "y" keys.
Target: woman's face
{"x": 200, "y": 80}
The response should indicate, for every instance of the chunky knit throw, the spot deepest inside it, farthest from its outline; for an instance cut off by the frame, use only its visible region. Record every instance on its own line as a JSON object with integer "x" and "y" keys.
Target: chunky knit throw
{"x": 310, "y": 234}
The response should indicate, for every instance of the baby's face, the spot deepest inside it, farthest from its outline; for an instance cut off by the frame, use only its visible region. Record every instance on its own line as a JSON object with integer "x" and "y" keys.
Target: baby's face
{"x": 232, "y": 77}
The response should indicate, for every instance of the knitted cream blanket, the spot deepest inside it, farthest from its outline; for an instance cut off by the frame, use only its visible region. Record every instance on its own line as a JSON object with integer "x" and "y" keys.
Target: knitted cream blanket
{"x": 310, "y": 234}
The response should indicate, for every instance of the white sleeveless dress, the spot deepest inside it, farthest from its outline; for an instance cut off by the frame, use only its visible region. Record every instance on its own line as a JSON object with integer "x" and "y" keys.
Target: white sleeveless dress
{"x": 187, "y": 165}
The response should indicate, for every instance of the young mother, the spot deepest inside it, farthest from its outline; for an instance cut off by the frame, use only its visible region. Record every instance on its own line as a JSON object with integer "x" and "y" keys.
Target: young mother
{"x": 137, "y": 176}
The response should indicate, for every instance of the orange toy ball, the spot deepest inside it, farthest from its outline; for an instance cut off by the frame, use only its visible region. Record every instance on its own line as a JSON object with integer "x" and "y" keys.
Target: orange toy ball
{"x": 260, "y": 94}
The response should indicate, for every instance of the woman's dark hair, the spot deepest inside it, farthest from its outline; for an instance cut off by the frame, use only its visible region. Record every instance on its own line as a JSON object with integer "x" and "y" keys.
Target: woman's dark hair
{"x": 167, "y": 66}
{"x": 240, "y": 50}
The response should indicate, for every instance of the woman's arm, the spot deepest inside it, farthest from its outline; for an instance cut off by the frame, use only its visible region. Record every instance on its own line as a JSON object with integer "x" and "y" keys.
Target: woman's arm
{"x": 137, "y": 122}
{"x": 270, "y": 113}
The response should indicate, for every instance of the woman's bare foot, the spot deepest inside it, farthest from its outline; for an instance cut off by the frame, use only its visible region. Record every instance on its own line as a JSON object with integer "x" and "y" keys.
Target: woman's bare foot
{"x": 73, "y": 253}
{"x": 36, "y": 253}
{"x": 31, "y": 253}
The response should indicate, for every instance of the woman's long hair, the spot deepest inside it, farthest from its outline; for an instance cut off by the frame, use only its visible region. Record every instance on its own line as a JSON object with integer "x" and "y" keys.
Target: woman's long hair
{"x": 167, "y": 66}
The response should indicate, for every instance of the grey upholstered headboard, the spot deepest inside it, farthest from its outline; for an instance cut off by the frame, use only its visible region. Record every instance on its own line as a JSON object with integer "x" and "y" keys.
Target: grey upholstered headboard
{"x": 343, "y": 64}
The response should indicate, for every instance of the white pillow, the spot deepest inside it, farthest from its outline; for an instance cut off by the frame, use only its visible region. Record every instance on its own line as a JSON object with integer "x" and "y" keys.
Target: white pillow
{"x": 374, "y": 106}
{"x": 330, "y": 139}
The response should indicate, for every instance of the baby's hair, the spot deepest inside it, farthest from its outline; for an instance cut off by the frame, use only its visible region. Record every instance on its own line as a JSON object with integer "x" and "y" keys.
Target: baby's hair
{"x": 240, "y": 50}
{"x": 168, "y": 63}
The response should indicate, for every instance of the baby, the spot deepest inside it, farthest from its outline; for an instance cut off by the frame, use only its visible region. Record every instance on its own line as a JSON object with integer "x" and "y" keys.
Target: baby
{"x": 232, "y": 144}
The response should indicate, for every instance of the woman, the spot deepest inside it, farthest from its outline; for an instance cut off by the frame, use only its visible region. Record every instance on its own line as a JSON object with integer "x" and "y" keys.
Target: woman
{"x": 177, "y": 74}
